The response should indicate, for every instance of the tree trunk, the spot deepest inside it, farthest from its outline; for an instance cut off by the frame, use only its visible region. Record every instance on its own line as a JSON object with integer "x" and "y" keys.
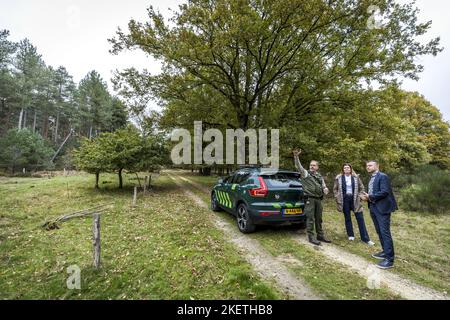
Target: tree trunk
{"x": 243, "y": 121}
{"x": 206, "y": 171}
{"x": 97, "y": 176}
{"x": 56, "y": 128}
{"x": 120, "y": 179}
{"x": 20, "y": 119}
{"x": 24, "y": 121}
{"x": 139, "y": 180}
{"x": 45, "y": 126}
{"x": 34, "y": 121}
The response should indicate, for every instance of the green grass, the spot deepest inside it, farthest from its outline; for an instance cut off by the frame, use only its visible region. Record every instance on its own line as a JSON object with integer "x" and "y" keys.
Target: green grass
{"x": 168, "y": 248}
{"x": 165, "y": 248}
{"x": 421, "y": 240}
{"x": 329, "y": 279}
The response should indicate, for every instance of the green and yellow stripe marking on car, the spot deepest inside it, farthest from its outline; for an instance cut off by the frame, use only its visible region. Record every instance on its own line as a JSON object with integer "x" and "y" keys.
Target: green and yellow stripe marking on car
{"x": 227, "y": 199}
{"x": 218, "y": 196}
{"x": 224, "y": 198}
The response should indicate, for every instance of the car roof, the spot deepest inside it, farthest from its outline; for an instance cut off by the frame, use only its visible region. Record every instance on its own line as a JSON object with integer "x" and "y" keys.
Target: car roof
{"x": 265, "y": 171}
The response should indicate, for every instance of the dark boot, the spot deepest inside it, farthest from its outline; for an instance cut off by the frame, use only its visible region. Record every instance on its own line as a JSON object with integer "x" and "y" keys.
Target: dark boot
{"x": 313, "y": 241}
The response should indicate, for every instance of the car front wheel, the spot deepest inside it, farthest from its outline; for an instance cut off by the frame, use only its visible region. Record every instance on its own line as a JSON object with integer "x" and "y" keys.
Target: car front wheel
{"x": 244, "y": 222}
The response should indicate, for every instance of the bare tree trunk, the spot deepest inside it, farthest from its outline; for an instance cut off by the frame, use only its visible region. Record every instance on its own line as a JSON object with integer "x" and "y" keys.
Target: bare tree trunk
{"x": 45, "y": 126}
{"x": 56, "y": 128}
{"x": 20, "y": 119}
{"x": 97, "y": 176}
{"x": 24, "y": 122}
{"x": 34, "y": 121}
{"x": 120, "y": 179}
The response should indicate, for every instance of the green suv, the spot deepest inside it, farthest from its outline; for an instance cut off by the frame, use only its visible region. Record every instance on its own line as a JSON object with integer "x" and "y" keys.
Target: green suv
{"x": 259, "y": 196}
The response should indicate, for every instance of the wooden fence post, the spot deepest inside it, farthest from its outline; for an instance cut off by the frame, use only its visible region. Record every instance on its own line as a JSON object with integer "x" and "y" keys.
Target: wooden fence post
{"x": 96, "y": 240}
{"x": 145, "y": 184}
{"x": 134, "y": 196}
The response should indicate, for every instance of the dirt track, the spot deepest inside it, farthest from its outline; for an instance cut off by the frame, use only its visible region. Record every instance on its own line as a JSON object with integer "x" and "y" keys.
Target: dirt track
{"x": 269, "y": 268}
{"x": 394, "y": 282}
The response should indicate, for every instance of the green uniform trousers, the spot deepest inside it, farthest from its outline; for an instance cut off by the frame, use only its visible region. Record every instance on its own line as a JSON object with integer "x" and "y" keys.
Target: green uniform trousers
{"x": 313, "y": 211}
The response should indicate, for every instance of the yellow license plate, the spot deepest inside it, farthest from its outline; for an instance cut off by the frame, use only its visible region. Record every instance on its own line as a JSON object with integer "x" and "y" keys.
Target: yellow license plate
{"x": 293, "y": 211}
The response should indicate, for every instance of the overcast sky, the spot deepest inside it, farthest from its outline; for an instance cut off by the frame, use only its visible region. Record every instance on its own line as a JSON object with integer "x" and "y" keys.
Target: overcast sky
{"x": 74, "y": 33}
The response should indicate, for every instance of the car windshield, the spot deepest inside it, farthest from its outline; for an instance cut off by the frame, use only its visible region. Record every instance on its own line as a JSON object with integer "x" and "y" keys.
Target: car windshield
{"x": 282, "y": 180}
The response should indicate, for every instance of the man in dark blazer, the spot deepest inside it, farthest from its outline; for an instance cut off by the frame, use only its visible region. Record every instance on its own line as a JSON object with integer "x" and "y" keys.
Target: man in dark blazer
{"x": 381, "y": 204}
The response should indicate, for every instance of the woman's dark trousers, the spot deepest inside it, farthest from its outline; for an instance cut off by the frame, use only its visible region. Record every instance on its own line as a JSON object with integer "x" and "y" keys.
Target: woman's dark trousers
{"x": 347, "y": 208}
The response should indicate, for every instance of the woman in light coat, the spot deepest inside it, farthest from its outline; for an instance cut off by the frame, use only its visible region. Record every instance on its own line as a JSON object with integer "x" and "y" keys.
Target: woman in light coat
{"x": 347, "y": 189}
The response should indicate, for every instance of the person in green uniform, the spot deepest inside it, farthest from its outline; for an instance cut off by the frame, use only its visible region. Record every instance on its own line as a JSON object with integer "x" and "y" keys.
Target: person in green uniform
{"x": 314, "y": 188}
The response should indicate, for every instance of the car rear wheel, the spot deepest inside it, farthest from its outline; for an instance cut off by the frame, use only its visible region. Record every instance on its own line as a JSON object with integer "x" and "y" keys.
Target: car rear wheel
{"x": 214, "y": 203}
{"x": 244, "y": 222}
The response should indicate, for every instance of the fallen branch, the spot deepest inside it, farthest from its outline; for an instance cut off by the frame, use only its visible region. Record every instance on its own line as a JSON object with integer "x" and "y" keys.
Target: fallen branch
{"x": 54, "y": 223}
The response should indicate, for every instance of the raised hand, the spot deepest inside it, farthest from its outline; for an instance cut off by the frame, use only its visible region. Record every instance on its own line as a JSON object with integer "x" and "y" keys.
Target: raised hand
{"x": 297, "y": 152}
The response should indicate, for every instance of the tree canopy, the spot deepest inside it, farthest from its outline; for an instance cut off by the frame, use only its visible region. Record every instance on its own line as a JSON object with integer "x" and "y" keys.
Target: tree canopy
{"x": 124, "y": 149}
{"x": 305, "y": 67}
{"x": 24, "y": 149}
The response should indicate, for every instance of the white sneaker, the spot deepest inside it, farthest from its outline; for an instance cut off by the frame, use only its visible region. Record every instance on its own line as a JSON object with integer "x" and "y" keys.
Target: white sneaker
{"x": 351, "y": 238}
{"x": 370, "y": 243}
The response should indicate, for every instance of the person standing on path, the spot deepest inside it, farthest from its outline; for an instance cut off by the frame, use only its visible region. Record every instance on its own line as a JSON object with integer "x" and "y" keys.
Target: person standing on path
{"x": 381, "y": 204}
{"x": 314, "y": 188}
{"x": 347, "y": 189}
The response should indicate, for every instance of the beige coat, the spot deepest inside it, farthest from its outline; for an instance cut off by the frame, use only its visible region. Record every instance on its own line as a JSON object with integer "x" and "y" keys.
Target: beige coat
{"x": 337, "y": 190}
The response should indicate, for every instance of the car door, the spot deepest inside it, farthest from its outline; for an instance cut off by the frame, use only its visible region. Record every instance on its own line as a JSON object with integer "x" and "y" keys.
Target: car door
{"x": 223, "y": 193}
{"x": 235, "y": 186}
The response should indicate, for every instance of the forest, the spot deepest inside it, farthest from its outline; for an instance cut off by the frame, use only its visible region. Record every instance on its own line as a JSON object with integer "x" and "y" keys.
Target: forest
{"x": 42, "y": 107}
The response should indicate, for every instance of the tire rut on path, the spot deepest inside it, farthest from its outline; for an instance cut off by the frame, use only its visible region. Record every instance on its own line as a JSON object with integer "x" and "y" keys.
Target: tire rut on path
{"x": 394, "y": 282}
{"x": 265, "y": 265}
